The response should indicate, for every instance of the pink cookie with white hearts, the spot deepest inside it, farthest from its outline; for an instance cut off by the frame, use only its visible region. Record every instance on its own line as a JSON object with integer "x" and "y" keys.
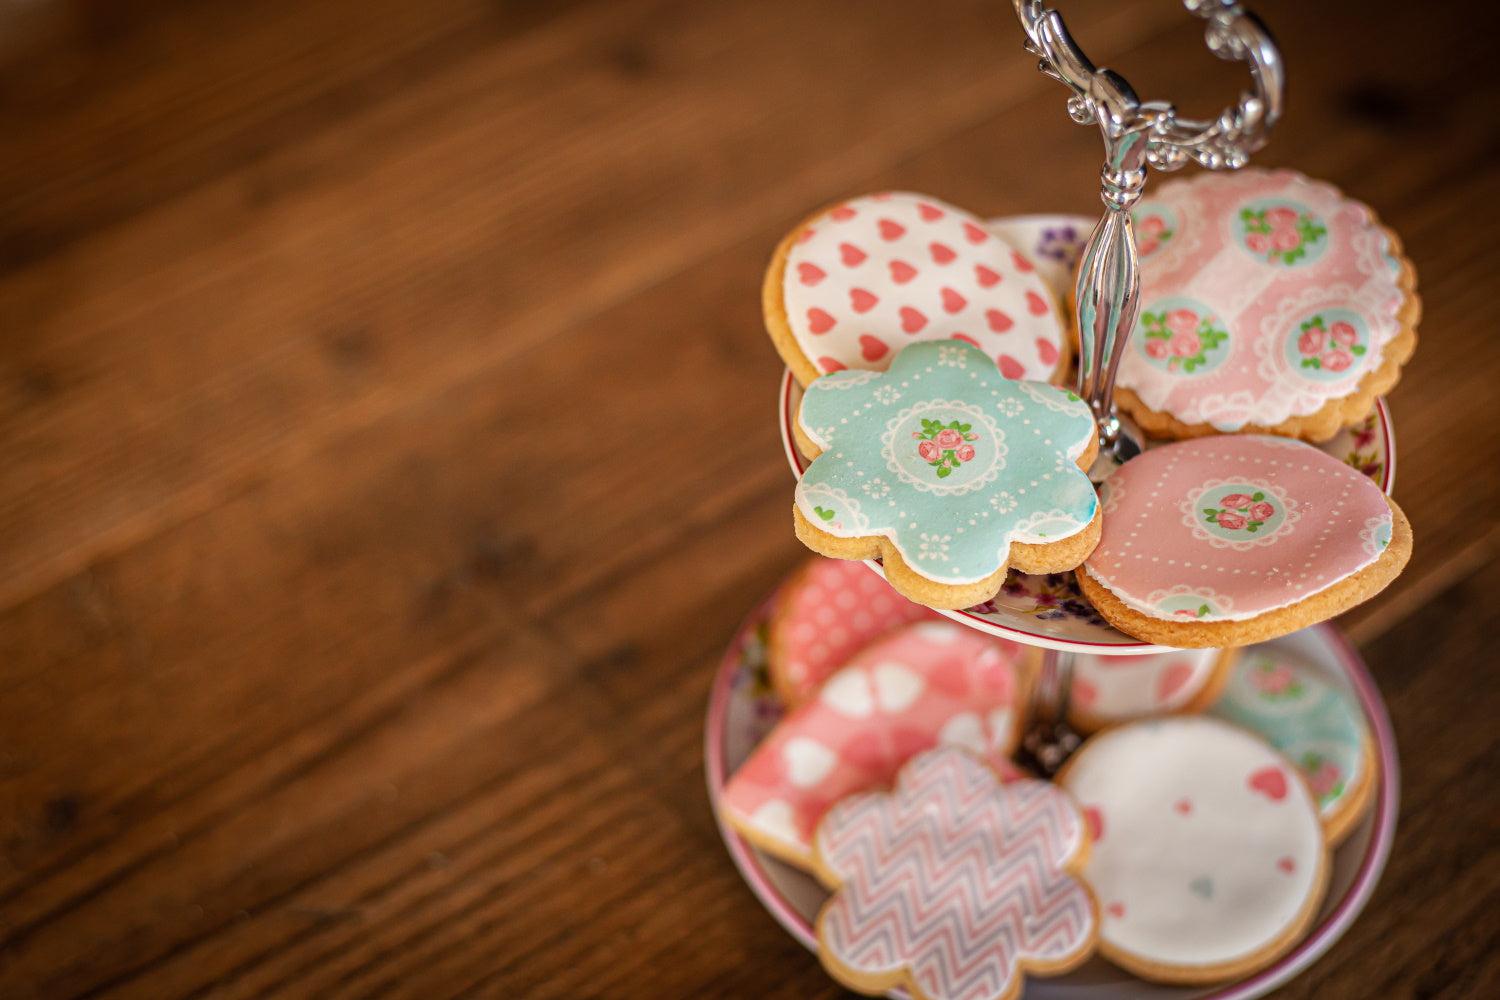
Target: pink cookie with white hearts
{"x": 828, "y": 611}
{"x": 1270, "y": 303}
{"x": 953, "y": 885}
{"x": 856, "y": 283}
{"x": 1110, "y": 690}
{"x": 1208, "y": 857}
{"x": 1231, "y": 540}
{"x": 926, "y": 684}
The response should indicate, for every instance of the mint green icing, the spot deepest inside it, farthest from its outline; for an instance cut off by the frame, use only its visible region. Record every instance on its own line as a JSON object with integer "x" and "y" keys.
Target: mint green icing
{"x": 1315, "y": 724}
{"x": 947, "y": 458}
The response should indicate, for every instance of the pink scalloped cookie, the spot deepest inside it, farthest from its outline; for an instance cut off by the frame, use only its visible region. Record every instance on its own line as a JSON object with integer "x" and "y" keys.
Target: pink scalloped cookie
{"x": 853, "y": 285}
{"x": 1109, "y": 690}
{"x": 1230, "y": 540}
{"x": 1208, "y": 856}
{"x": 828, "y": 611}
{"x": 1270, "y": 303}
{"x": 953, "y": 885}
{"x": 925, "y": 684}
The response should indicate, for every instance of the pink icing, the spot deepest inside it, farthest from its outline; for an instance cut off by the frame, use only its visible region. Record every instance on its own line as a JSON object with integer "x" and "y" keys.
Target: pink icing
{"x": 954, "y": 881}
{"x": 1171, "y": 547}
{"x": 1300, "y": 331}
{"x": 928, "y": 683}
{"x": 878, "y": 272}
{"x": 832, "y": 610}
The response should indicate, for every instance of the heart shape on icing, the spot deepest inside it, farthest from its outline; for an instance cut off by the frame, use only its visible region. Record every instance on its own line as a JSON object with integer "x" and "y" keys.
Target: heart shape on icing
{"x": 899, "y": 263}
{"x": 807, "y": 761}
{"x": 1270, "y": 782}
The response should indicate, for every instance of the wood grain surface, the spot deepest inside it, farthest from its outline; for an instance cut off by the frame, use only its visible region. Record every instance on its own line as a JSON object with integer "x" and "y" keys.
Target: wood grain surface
{"x": 387, "y": 453}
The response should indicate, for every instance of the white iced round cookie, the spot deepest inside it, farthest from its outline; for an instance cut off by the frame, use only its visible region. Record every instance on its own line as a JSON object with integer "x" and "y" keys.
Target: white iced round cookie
{"x": 1208, "y": 857}
{"x": 857, "y": 283}
{"x": 1109, "y": 690}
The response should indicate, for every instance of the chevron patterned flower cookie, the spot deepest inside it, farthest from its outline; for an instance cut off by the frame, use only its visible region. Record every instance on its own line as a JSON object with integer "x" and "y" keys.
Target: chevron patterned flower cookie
{"x": 954, "y": 885}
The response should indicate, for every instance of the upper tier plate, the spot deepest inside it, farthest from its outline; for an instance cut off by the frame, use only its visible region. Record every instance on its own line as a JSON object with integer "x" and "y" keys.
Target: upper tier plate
{"x": 1049, "y": 611}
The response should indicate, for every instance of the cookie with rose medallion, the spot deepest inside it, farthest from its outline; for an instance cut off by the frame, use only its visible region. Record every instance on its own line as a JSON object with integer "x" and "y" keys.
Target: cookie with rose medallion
{"x": 857, "y": 282}
{"x": 1225, "y": 541}
{"x": 1270, "y": 304}
{"x": 947, "y": 471}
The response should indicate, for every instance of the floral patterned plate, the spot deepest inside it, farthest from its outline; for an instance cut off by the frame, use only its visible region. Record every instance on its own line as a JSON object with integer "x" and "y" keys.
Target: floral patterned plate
{"x": 1048, "y": 610}
{"x": 742, "y": 709}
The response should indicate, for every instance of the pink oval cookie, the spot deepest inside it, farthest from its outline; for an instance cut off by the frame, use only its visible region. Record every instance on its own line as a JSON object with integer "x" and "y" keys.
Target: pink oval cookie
{"x": 829, "y": 611}
{"x": 856, "y": 284}
{"x": 1265, "y": 297}
{"x": 925, "y": 684}
{"x": 953, "y": 885}
{"x": 1236, "y": 528}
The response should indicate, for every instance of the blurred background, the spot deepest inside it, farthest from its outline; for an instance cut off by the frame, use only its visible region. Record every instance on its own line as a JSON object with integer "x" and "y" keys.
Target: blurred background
{"x": 387, "y": 452}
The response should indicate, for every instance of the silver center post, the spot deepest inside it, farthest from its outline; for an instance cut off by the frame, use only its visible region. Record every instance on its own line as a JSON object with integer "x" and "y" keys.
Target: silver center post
{"x": 1137, "y": 135}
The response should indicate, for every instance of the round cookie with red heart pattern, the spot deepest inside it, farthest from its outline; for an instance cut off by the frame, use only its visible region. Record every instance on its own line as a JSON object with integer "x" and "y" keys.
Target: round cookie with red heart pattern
{"x": 1208, "y": 854}
{"x": 853, "y": 285}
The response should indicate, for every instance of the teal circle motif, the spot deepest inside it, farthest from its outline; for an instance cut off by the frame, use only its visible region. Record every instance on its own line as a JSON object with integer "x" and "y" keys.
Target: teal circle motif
{"x": 1281, "y": 232}
{"x": 1327, "y": 345}
{"x": 1181, "y": 335}
{"x": 1239, "y": 512}
{"x": 1157, "y": 227}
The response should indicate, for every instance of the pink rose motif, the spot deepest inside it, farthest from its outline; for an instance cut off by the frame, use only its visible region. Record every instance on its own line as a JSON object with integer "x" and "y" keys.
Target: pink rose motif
{"x": 928, "y": 451}
{"x": 1312, "y": 340}
{"x": 1182, "y": 321}
{"x": 1157, "y": 348}
{"x": 1152, "y": 225}
{"x": 1343, "y": 333}
{"x": 1273, "y": 681}
{"x": 1258, "y": 242}
{"x": 1147, "y": 244}
{"x": 948, "y": 438}
{"x": 1235, "y": 500}
{"x": 1185, "y": 345}
{"x": 1337, "y": 360}
{"x": 1231, "y": 521}
{"x": 1285, "y": 239}
{"x": 1262, "y": 511}
{"x": 966, "y": 453}
{"x": 1281, "y": 217}
{"x": 1325, "y": 779}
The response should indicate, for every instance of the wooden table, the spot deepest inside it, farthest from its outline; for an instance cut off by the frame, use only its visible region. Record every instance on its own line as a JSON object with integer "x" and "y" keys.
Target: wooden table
{"x": 386, "y": 454}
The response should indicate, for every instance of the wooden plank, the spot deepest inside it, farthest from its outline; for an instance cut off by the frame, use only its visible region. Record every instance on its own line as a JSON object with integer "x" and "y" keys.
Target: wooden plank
{"x": 160, "y": 365}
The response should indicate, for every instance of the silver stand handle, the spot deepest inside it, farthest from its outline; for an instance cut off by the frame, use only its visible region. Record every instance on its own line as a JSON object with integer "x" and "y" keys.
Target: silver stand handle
{"x": 1137, "y": 135}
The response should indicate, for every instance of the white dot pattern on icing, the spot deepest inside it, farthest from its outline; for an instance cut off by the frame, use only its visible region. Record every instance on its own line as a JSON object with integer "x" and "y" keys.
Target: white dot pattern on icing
{"x": 1181, "y": 539}
{"x": 1207, "y": 845}
{"x": 1263, "y": 296}
{"x": 879, "y": 272}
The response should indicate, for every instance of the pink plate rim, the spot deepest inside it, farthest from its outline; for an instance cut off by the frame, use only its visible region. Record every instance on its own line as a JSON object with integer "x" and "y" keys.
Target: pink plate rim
{"x": 1136, "y": 648}
{"x": 1312, "y": 947}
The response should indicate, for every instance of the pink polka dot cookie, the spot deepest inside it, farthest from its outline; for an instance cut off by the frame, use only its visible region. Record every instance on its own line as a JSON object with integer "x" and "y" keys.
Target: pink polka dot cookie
{"x": 1270, "y": 303}
{"x": 856, "y": 283}
{"x": 1208, "y": 857}
{"x": 1230, "y": 540}
{"x": 1110, "y": 690}
{"x": 828, "y": 611}
{"x": 925, "y": 684}
{"x": 953, "y": 885}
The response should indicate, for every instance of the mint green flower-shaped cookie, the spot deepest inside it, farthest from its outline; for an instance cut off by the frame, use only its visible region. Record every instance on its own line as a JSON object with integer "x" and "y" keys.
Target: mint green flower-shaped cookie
{"x": 948, "y": 471}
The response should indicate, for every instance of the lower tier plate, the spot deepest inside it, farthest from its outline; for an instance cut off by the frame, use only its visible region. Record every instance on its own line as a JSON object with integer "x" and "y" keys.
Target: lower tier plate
{"x": 742, "y": 709}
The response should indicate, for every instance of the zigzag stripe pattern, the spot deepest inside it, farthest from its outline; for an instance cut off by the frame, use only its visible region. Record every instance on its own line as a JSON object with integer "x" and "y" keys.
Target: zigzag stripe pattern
{"x": 955, "y": 878}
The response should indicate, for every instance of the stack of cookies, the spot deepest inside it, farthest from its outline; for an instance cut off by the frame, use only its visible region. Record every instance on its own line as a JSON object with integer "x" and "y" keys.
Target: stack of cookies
{"x": 1188, "y": 840}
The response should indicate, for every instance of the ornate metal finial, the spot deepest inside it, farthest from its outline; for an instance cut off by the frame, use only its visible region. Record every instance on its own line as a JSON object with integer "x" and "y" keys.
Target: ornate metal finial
{"x": 1138, "y": 135}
